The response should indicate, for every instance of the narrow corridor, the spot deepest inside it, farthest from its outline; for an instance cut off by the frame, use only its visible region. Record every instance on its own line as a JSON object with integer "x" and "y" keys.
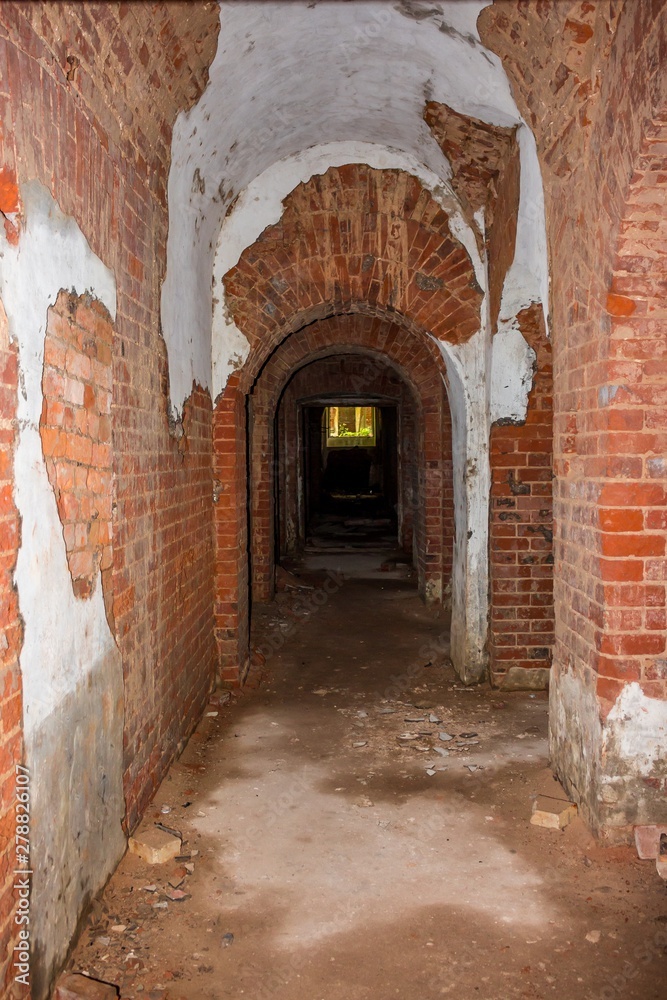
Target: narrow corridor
{"x": 353, "y": 852}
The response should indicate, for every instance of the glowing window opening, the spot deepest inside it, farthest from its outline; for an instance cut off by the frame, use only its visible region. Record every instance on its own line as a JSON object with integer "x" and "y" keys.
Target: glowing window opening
{"x": 350, "y": 426}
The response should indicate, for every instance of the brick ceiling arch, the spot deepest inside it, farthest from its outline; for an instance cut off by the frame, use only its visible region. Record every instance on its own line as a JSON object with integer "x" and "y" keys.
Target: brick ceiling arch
{"x": 416, "y": 359}
{"x": 356, "y": 236}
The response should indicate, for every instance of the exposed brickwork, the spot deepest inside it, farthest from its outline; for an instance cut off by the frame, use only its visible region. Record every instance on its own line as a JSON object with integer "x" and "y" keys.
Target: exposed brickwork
{"x": 75, "y": 428}
{"x": 521, "y": 523}
{"x": 589, "y": 79}
{"x": 421, "y": 365}
{"x": 11, "y": 636}
{"x": 631, "y": 636}
{"x": 355, "y": 238}
{"x": 82, "y": 122}
{"x": 232, "y": 603}
{"x": 477, "y": 152}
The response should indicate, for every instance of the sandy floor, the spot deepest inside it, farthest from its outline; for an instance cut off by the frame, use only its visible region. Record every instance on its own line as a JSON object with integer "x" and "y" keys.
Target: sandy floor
{"x": 350, "y": 864}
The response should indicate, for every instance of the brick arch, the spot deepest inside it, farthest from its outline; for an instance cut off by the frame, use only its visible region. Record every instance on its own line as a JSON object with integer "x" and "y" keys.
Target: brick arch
{"x": 366, "y": 375}
{"x": 420, "y": 366}
{"x": 355, "y": 237}
{"x": 423, "y": 366}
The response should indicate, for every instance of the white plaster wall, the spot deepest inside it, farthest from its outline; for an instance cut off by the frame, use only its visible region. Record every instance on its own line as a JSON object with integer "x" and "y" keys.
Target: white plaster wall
{"x": 291, "y": 77}
{"x": 512, "y": 362}
{"x": 65, "y": 639}
{"x": 638, "y": 725}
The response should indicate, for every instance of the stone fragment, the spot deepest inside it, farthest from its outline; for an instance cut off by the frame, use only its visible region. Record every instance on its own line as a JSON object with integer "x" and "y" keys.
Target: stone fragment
{"x": 155, "y": 846}
{"x": 555, "y": 814}
{"x": 647, "y": 841}
{"x": 75, "y": 986}
{"x": 177, "y": 895}
{"x": 227, "y": 939}
{"x": 445, "y": 737}
{"x": 593, "y": 937}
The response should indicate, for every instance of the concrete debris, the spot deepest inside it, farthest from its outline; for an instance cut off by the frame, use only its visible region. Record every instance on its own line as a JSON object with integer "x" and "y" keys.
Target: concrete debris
{"x": 177, "y": 895}
{"x": 430, "y": 771}
{"x": 155, "y": 846}
{"x": 76, "y": 986}
{"x": 555, "y": 814}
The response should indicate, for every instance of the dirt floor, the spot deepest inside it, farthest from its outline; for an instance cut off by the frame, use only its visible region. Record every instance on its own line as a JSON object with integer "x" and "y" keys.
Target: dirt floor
{"x": 334, "y": 854}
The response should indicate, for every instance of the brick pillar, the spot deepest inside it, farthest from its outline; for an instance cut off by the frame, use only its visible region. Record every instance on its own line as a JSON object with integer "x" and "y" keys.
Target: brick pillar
{"x": 261, "y": 507}
{"x": 231, "y": 533}
{"x": 521, "y": 632}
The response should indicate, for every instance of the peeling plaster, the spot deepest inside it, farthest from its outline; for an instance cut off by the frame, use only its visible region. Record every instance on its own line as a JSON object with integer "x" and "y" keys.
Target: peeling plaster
{"x": 336, "y": 86}
{"x": 512, "y": 367}
{"x": 636, "y": 729}
{"x": 70, "y": 665}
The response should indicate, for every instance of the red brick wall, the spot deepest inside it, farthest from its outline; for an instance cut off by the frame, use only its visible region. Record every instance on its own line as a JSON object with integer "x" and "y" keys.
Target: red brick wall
{"x": 75, "y": 429}
{"x": 632, "y": 515}
{"x": 590, "y": 81}
{"x": 100, "y": 142}
{"x": 11, "y": 747}
{"x": 230, "y": 490}
{"x": 521, "y": 523}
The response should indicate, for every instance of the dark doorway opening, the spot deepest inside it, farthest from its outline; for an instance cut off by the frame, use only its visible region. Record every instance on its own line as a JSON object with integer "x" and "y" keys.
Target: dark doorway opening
{"x": 351, "y": 482}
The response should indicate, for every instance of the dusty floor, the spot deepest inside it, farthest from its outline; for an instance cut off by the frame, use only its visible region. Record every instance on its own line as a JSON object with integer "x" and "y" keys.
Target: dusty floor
{"x": 342, "y": 868}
